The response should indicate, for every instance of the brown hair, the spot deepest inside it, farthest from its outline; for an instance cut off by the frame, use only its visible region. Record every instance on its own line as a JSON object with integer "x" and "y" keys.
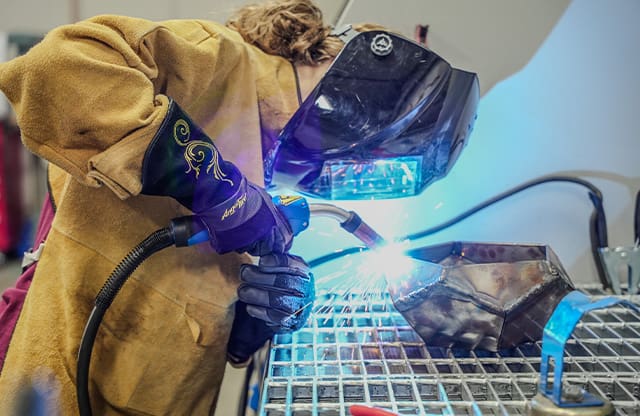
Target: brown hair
{"x": 293, "y": 29}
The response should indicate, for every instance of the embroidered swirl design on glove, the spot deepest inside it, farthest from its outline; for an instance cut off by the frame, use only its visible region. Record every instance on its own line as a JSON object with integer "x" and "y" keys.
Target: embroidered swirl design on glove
{"x": 196, "y": 152}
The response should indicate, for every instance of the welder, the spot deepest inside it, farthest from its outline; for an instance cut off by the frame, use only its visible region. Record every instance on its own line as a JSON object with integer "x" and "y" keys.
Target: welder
{"x": 142, "y": 122}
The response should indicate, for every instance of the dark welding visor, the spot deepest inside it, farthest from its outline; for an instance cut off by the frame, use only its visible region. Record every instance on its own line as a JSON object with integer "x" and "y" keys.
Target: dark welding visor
{"x": 388, "y": 118}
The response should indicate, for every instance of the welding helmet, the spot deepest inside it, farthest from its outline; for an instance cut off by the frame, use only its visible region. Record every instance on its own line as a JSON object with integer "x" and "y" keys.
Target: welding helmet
{"x": 388, "y": 118}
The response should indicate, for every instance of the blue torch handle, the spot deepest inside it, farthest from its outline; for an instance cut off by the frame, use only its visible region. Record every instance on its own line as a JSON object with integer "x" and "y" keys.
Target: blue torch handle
{"x": 295, "y": 209}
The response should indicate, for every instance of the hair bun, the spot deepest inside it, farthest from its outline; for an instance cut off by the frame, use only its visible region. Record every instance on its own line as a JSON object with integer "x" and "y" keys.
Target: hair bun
{"x": 293, "y": 29}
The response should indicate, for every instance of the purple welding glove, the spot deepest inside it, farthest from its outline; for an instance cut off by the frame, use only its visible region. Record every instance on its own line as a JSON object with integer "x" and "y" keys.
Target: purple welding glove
{"x": 248, "y": 335}
{"x": 247, "y": 221}
{"x": 182, "y": 162}
{"x": 280, "y": 291}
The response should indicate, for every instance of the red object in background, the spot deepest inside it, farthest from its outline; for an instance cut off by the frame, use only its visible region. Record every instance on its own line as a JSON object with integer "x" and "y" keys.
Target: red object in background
{"x": 13, "y": 297}
{"x": 361, "y": 410}
{"x": 11, "y": 211}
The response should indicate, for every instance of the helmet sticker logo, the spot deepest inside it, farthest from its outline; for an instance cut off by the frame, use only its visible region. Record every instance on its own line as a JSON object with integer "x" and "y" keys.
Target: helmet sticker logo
{"x": 381, "y": 44}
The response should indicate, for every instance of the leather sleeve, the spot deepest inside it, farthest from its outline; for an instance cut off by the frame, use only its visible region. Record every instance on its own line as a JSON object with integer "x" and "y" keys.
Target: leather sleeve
{"x": 90, "y": 97}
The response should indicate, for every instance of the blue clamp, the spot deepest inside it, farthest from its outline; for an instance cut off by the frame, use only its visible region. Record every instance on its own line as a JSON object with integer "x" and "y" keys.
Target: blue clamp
{"x": 556, "y": 333}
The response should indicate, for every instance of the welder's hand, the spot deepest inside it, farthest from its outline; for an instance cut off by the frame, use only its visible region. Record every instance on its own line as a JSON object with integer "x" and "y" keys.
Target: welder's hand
{"x": 247, "y": 221}
{"x": 279, "y": 290}
{"x": 248, "y": 335}
{"x": 182, "y": 162}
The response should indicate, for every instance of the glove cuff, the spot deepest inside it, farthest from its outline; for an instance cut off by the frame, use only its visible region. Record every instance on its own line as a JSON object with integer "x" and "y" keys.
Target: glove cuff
{"x": 248, "y": 335}
{"x": 182, "y": 162}
{"x": 237, "y": 362}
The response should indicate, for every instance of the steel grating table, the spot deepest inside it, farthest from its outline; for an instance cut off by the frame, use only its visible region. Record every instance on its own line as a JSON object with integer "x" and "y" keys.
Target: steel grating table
{"x": 360, "y": 350}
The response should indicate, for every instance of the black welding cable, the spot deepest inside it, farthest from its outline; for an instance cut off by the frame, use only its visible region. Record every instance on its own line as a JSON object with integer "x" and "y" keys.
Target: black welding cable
{"x": 155, "y": 242}
{"x": 597, "y": 226}
{"x": 594, "y": 194}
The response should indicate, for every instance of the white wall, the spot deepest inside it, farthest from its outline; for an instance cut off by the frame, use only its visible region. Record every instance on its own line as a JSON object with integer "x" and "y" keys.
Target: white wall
{"x": 572, "y": 109}
{"x": 494, "y": 37}
{"x": 42, "y": 15}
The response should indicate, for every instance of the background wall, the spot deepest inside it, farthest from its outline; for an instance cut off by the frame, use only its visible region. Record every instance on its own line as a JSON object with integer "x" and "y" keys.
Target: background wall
{"x": 560, "y": 88}
{"x": 495, "y": 38}
{"x": 570, "y": 109}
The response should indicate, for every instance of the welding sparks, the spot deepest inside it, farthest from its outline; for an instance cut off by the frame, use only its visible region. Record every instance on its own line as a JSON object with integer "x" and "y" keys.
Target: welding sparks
{"x": 364, "y": 277}
{"x": 387, "y": 263}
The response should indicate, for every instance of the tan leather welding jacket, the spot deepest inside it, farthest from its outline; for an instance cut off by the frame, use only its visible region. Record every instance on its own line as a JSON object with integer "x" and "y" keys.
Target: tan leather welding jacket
{"x": 89, "y": 99}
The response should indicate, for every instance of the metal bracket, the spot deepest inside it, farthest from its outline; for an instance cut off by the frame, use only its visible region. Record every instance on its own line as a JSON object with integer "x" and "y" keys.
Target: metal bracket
{"x": 346, "y": 33}
{"x": 556, "y": 333}
{"x": 616, "y": 259}
{"x": 32, "y": 256}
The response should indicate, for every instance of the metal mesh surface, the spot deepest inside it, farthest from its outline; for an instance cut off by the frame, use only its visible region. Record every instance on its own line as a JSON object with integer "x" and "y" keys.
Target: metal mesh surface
{"x": 359, "y": 350}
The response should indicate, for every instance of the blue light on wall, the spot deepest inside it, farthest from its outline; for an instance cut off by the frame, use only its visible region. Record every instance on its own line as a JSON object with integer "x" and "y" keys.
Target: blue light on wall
{"x": 572, "y": 109}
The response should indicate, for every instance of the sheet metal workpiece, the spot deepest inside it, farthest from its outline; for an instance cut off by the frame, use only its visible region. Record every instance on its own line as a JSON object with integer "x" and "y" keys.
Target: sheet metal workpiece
{"x": 480, "y": 295}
